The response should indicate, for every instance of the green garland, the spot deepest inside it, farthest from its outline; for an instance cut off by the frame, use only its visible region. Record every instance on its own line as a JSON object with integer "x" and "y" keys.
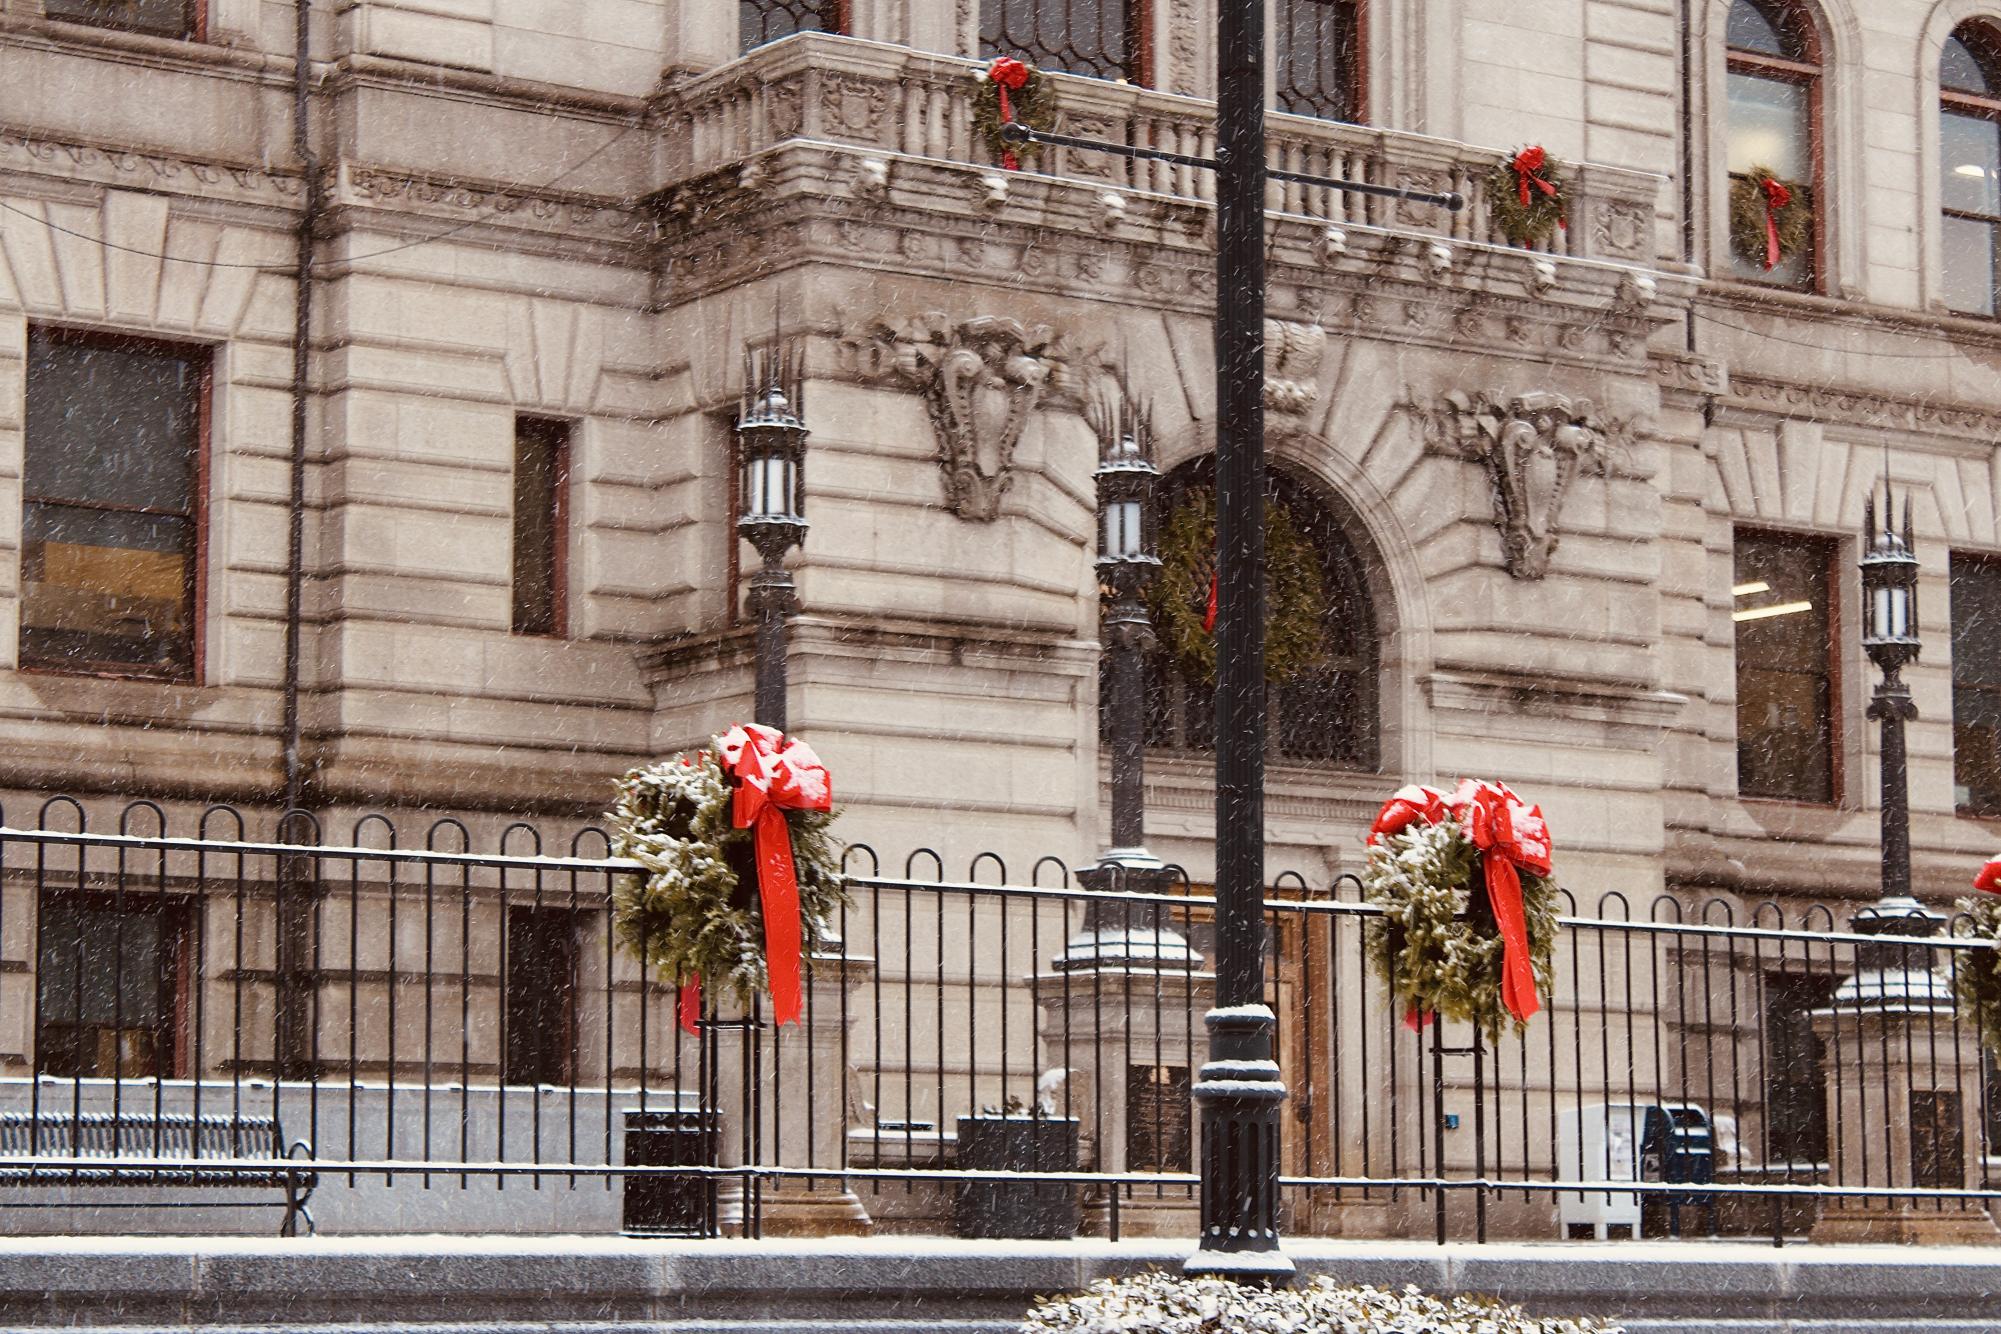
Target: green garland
{"x": 1533, "y": 223}
{"x": 1977, "y": 975}
{"x": 1747, "y": 216}
{"x": 1295, "y": 632}
{"x": 1436, "y": 944}
{"x": 1032, "y": 104}
{"x": 696, "y": 911}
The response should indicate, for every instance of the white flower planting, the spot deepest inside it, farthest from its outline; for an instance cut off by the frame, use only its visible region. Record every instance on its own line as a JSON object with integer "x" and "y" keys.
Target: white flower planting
{"x": 1159, "y": 1303}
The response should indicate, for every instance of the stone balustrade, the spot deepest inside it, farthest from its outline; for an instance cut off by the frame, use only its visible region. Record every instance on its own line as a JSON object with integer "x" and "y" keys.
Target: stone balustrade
{"x": 919, "y": 104}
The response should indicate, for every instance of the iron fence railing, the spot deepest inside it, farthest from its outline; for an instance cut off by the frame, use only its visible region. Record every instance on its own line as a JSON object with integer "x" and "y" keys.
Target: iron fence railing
{"x": 454, "y": 1032}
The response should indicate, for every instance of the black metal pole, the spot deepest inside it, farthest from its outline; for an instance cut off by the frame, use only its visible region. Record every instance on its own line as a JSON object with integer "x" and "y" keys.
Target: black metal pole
{"x": 772, "y": 599}
{"x": 1128, "y": 627}
{"x": 1240, "y": 1090}
{"x": 1893, "y": 707}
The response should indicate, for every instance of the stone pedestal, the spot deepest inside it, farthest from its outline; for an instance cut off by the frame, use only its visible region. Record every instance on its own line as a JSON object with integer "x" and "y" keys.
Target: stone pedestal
{"x": 793, "y": 1129}
{"x": 1903, "y": 1109}
{"x": 1121, "y": 1008}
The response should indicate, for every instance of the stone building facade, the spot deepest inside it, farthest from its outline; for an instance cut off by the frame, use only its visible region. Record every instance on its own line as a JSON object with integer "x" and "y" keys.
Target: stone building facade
{"x": 542, "y": 237}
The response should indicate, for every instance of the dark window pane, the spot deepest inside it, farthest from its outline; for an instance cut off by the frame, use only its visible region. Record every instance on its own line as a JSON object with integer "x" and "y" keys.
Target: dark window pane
{"x": 109, "y": 530}
{"x": 541, "y": 995}
{"x": 1970, "y": 246}
{"x": 761, "y": 21}
{"x": 165, "y": 18}
{"x": 1315, "y": 50}
{"x": 541, "y": 465}
{"x": 1938, "y": 1141}
{"x": 1970, "y": 163}
{"x": 1088, "y": 37}
{"x": 1785, "y": 685}
{"x": 1769, "y": 28}
{"x": 1795, "y": 1078}
{"x": 106, "y": 983}
{"x": 1967, "y": 65}
{"x": 1976, "y": 683}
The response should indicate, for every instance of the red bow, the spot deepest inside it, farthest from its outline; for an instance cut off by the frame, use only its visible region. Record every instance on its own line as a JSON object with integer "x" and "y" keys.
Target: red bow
{"x": 1008, "y": 74}
{"x": 1989, "y": 878}
{"x": 1777, "y": 196}
{"x": 1408, "y": 806}
{"x": 1209, "y": 612}
{"x": 1509, "y": 836}
{"x": 774, "y": 775}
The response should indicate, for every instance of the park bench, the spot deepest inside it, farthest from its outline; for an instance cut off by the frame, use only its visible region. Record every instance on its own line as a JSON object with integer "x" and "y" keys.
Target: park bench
{"x": 85, "y": 1149}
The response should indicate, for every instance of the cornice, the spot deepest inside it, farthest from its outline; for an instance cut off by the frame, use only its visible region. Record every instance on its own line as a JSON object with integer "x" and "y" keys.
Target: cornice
{"x": 458, "y": 199}
{"x": 139, "y": 168}
{"x": 1858, "y": 407}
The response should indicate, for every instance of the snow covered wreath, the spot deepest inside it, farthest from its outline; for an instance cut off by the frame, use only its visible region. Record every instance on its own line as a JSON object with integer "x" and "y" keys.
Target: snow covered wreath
{"x": 1976, "y": 976}
{"x": 742, "y": 877}
{"x": 1469, "y": 908}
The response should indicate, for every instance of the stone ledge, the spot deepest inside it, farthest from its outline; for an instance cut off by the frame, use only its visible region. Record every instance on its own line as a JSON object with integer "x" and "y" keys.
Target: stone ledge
{"x": 449, "y": 1285}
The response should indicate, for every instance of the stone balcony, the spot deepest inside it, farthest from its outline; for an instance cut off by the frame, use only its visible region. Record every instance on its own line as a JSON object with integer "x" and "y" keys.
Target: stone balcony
{"x": 890, "y": 102}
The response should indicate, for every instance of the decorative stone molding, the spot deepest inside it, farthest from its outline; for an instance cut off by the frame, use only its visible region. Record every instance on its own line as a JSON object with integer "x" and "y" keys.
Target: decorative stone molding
{"x": 980, "y": 379}
{"x": 129, "y": 169}
{"x": 1825, "y": 403}
{"x": 545, "y": 209}
{"x": 1533, "y": 445}
{"x": 1293, "y": 353}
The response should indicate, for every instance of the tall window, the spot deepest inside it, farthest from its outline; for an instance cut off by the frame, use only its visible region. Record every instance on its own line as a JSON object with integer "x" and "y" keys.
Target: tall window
{"x": 1976, "y": 684}
{"x": 1774, "y": 116}
{"x": 1324, "y": 713}
{"x": 541, "y": 996}
{"x": 761, "y": 21}
{"x": 1970, "y": 167}
{"x": 111, "y": 985}
{"x": 541, "y": 505}
{"x": 161, "y": 18}
{"x": 1317, "y": 48}
{"x": 1785, "y": 667}
{"x": 1099, "y": 38}
{"x": 1795, "y": 1076}
{"x": 110, "y": 522}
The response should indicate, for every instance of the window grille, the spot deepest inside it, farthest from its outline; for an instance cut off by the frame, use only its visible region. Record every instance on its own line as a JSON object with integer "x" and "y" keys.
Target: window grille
{"x": 1316, "y": 47}
{"x": 762, "y": 21}
{"x": 1097, "y": 38}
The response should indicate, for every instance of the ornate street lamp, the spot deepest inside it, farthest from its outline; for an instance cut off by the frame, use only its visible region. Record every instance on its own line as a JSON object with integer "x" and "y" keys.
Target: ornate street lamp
{"x": 1890, "y": 637}
{"x": 1127, "y": 564}
{"x": 771, "y": 490}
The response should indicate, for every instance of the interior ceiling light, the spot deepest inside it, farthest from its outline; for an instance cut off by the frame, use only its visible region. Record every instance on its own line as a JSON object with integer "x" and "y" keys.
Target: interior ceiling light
{"x": 1969, "y": 169}
{"x": 1776, "y": 609}
{"x": 1745, "y": 590}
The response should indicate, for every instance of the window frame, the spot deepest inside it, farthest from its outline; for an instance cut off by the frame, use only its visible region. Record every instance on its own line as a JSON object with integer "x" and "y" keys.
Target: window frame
{"x": 1837, "y": 769}
{"x": 1952, "y": 101}
{"x": 202, "y": 355}
{"x": 1358, "y": 90}
{"x": 563, "y": 446}
{"x": 1810, "y": 74}
{"x": 193, "y": 29}
{"x": 1140, "y": 69}
{"x": 180, "y": 930}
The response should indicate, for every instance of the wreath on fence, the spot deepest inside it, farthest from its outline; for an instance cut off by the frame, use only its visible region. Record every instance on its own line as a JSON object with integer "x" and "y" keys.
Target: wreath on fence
{"x": 1469, "y": 908}
{"x": 1011, "y": 92}
{"x": 1771, "y": 218}
{"x": 1526, "y": 196}
{"x": 1977, "y": 973}
{"x": 1295, "y": 600}
{"x": 742, "y": 875}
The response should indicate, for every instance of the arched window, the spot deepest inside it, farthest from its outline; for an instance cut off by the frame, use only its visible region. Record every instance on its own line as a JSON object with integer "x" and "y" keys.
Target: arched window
{"x": 762, "y": 21}
{"x": 1325, "y": 712}
{"x": 1969, "y": 140}
{"x": 1317, "y": 51}
{"x": 1774, "y": 127}
{"x": 1101, "y": 39}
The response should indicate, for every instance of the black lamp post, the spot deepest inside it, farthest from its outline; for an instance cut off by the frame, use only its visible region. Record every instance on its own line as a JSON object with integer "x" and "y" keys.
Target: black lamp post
{"x": 1890, "y": 637}
{"x": 1127, "y": 564}
{"x": 771, "y": 497}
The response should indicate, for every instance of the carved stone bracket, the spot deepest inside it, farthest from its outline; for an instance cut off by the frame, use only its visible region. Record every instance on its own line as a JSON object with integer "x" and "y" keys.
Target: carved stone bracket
{"x": 1533, "y": 444}
{"x": 981, "y": 378}
{"x": 1293, "y": 353}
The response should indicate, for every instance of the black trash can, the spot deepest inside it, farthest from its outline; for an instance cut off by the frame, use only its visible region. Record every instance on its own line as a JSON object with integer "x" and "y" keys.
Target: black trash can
{"x": 666, "y": 1205}
{"x": 1017, "y": 1209}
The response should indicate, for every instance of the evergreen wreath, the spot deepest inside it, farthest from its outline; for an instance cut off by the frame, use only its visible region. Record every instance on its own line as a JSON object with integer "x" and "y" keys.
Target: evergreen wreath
{"x": 1976, "y": 977}
{"x": 1793, "y": 219}
{"x": 696, "y": 913}
{"x": 1032, "y": 105}
{"x": 1526, "y": 196}
{"x": 1295, "y": 629}
{"x": 1436, "y": 944}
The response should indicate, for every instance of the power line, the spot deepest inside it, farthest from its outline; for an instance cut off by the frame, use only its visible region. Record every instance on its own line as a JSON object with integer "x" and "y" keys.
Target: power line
{"x": 288, "y": 269}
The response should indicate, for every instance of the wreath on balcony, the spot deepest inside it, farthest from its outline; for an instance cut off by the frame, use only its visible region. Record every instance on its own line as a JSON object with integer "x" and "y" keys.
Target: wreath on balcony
{"x": 1976, "y": 977}
{"x": 1771, "y": 219}
{"x": 1526, "y": 196}
{"x": 1183, "y": 597}
{"x": 1011, "y": 92}
{"x": 741, "y": 875}
{"x": 1469, "y": 908}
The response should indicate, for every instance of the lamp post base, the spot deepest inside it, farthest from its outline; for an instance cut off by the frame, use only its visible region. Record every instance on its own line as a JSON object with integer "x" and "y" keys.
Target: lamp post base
{"x": 1239, "y": 1093}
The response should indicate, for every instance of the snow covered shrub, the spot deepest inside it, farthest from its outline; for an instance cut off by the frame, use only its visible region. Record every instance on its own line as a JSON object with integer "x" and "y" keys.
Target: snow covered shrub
{"x": 1170, "y": 1304}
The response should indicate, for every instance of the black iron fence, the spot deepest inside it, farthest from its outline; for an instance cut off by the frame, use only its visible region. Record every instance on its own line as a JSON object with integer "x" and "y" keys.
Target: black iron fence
{"x": 447, "y": 1034}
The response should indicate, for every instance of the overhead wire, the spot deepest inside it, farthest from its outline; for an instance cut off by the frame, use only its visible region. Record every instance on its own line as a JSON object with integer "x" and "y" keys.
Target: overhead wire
{"x": 287, "y": 269}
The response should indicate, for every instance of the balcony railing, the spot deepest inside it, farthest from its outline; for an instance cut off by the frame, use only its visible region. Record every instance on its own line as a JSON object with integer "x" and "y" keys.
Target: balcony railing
{"x": 460, "y": 1041}
{"x": 915, "y": 104}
